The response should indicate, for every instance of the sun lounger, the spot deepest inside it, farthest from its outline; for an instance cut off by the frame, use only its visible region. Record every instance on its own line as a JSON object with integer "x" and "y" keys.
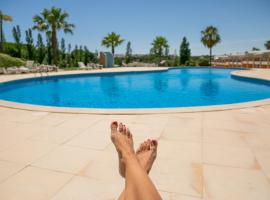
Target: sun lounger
{"x": 82, "y": 66}
{"x": 13, "y": 70}
{"x": 23, "y": 69}
{"x": 3, "y": 70}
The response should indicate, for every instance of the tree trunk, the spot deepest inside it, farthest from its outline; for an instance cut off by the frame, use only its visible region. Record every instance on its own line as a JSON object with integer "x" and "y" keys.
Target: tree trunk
{"x": 112, "y": 50}
{"x": 1, "y": 32}
{"x": 54, "y": 46}
{"x": 210, "y": 59}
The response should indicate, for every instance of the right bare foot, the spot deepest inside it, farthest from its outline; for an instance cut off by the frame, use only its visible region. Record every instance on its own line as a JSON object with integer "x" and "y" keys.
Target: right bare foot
{"x": 123, "y": 142}
{"x": 147, "y": 153}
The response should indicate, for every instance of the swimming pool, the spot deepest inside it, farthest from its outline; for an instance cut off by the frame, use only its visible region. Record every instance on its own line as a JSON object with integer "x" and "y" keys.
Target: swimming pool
{"x": 177, "y": 87}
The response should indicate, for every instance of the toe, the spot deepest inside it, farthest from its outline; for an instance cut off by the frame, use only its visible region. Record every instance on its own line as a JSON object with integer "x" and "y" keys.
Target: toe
{"x": 124, "y": 130}
{"x": 114, "y": 126}
{"x": 144, "y": 146}
{"x": 120, "y": 127}
{"x": 153, "y": 144}
{"x": 128, "y": 133}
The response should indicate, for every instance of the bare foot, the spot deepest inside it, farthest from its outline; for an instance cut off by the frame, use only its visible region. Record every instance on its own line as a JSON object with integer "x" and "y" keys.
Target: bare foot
{"x": 147, "y": 153}
{"x": 123, "y": 142}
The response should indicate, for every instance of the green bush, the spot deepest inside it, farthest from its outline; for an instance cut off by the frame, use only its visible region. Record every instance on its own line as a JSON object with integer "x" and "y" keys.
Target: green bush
{"x": 203, "y": 61}
{"x": 8, "y": 61}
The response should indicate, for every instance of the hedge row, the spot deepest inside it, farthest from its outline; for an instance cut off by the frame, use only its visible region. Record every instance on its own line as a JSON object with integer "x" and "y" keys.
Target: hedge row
{"x": 8, "y": 61}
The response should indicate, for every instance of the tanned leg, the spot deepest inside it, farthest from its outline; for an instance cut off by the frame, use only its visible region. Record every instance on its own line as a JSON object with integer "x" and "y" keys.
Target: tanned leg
{"x": 138, "y": 185}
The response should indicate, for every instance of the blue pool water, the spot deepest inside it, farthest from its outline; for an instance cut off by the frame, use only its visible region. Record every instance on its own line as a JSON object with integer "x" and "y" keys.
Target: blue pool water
{"x": 179, "y": 87}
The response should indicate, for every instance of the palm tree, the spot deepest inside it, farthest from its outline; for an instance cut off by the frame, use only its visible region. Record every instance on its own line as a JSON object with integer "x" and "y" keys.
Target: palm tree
{"x": 160, "y": 46}
{"x": 3, "y": 17}
{"x": 210, "y": 37}
{"x": 51, "y": 21}
{"x": 112, "y": 40}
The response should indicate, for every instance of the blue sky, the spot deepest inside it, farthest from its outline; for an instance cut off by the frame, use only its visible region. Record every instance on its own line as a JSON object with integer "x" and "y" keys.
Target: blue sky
{"x": 242, "y": 23}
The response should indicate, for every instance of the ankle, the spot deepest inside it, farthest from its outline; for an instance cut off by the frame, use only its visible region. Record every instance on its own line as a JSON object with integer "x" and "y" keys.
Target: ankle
{"x": 129, "y": 157}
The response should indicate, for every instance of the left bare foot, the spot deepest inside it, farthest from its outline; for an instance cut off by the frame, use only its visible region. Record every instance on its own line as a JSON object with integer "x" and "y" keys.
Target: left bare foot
{"x": 147, "y": 153}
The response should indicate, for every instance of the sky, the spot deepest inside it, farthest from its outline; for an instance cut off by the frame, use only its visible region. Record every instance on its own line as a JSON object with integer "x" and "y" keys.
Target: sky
{"x": 242, "y": 24}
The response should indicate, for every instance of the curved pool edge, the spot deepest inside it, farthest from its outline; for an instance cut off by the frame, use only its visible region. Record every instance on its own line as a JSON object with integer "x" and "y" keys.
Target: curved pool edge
{"x": 137, "y": 111}
{"x": 140, "y": 111}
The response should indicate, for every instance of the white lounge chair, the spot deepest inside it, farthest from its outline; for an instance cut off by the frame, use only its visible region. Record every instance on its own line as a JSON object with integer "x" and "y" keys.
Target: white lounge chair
{"x": 13, "y": 70}
{"x": 82, "y": 66}
{"x": 23, "y": 69}
{"x": 3, "y": 70}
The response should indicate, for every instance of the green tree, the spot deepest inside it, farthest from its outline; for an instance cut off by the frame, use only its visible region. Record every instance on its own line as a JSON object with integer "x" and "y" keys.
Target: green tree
{"x": 63, "y": 49}
{"x": 160, "y": 47}
{"x": 87, "y": 55}
{"x": 75, "y": 56}
{"x": 210, "y": 37}
{"x": 29, "y": 44}
{"x": 52, "y": 21}
{"x": 69, "y": 59}
{"x": 48, "y": 57}
{"x": 40, "y": 49}
{"x": 63, "y": 62}
{"x": 128, "y": 53}
{"x": 184, "y": 52}
{"x": 267, "y": 44}
{"x": 112, "y": 40}
{"x": 81, "y": 53}
{"x": 3, "y": 17}
{"x": 16, "y": 31}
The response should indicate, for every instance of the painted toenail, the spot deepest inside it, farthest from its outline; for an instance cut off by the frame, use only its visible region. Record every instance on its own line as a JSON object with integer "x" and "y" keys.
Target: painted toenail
{"x": 114, "y": 123}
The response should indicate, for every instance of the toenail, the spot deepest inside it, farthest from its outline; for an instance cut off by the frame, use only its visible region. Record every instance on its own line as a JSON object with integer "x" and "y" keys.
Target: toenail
{"x": 115, "y": 123}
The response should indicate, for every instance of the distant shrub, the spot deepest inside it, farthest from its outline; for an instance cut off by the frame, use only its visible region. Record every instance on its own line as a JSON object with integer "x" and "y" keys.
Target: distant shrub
{"x": 8, "y": 61}
{"x": 203, "y": 62}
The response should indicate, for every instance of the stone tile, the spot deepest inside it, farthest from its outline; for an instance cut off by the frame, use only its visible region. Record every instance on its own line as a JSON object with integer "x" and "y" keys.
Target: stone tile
{"x": 79, "y": 123}
{"x": 178, "y": 168}
{"x": 21, "y": 116}
{"x": 233, "y": 183}
{"x": 98, "y": 140}
{"x": 33, "y": 184}
{"x": 229, "y": 156}
{"x": 53, "y": 119}
{"x": 258, "y": 141}
{"x": 263, "y": 157}
{"x": 8, "y": 137}
{"x": 57, "y": 135}
{"x": 152, "y": 120}
{"x": 67, "y": 159}
{"x": 7, "y": 169}
{"x": 104, "y": 167}
{"x": 26, "y": 152}
{"x": 29, "y": 130}
{"x": 221, "y": 120}
{"x": 224, "y": 137}
{"x": 185, "y": 127}
{"x": 174, "y": 196}
{"x": 84, "y": 189}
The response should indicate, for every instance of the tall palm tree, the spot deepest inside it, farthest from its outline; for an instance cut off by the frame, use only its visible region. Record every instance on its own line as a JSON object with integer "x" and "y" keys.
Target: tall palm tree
{"x": 51, "y": 21}
{"x": 3, "y": 17}
{"x": 210, "y": 37}
{"x": 112, "y": 40}
{"x": 160, "y": 46}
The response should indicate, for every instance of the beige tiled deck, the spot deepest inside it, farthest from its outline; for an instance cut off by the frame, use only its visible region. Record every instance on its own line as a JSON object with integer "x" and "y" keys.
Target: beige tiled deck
{"x": 222, "y": 155}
